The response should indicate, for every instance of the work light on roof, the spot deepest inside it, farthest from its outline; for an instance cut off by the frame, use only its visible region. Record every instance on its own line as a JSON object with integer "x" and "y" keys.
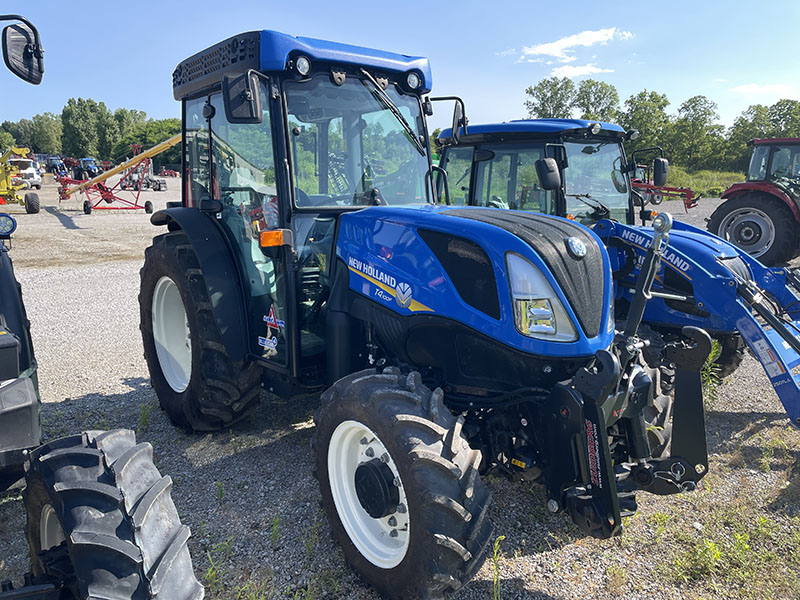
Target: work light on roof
{"x": 303, "y": 65}
{"x": 595, "y": 128}
{"x": 412, "y": 79}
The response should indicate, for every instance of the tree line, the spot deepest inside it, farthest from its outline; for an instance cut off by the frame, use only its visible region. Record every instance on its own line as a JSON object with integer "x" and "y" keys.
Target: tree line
{"x": 692, "y": 137}
{"x": 88, "y": 128}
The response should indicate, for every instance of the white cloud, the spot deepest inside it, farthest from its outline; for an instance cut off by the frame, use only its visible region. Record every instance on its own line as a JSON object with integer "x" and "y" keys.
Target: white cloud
{"x": 507, "y": 52}
{"x": 562, "y": 49}
{"x": 578, "y": 70}
{"x": 770, "y": 89}
{"x": 719, "y": 80}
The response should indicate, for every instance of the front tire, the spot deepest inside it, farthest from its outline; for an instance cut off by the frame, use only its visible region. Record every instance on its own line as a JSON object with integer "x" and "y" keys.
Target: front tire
{"x": 759, "y": 224}
{"x": 98, "y": 507}
{"x": 414, "y": 526}
{"x": 197, "y": 383}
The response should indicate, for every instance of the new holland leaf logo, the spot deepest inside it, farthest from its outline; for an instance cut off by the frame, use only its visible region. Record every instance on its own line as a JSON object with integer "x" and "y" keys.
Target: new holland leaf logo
{"x": 403, "y": 294}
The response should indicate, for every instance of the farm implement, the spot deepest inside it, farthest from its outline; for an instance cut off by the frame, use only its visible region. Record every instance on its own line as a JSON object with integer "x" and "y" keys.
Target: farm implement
{"x": 643, "y": 184}
{"x": 101, "y": 195}
{"x": 11, "y": 185}
{"x": 578, "y": 169}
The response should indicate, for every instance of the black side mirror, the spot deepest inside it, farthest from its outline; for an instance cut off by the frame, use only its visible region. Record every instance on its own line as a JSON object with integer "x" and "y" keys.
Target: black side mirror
{"x": 22, "y": 53}
{"x": 549, "y": 175}
{"x": 660, "y": 169}
{"x": 458, "y": 121}
{"x": 242, "y": 98}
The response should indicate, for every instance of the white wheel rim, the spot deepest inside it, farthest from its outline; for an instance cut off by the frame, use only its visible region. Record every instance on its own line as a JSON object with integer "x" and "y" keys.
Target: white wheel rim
{"x": 749, "y": 229}
{"x": 50, "y": 532}
{"x": 171, "y": 335}
{"x": 373, "y": 538}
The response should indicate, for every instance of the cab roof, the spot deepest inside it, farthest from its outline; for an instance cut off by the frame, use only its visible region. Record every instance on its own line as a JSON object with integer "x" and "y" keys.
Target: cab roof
{"x": 542, "y": 127}
{"x": 270, "y": 51}
{"x": 768, "y": 141}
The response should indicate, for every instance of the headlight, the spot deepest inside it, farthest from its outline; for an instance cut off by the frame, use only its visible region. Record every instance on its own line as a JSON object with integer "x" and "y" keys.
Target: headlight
{"x": 538, "y": 313}
{"x": 7, "y": 224}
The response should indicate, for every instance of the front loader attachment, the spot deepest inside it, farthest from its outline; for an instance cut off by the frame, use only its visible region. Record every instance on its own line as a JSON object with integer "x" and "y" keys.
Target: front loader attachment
{"x": 708, "y": 283}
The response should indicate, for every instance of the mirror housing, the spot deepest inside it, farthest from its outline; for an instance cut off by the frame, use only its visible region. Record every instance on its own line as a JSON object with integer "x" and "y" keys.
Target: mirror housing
{"x": 22, "y": 53}
{"x": 660, "y": 169}
{"x": 458, "y": 121}
{"x": 549, "y": 175}
{"x": 242, "y": 98}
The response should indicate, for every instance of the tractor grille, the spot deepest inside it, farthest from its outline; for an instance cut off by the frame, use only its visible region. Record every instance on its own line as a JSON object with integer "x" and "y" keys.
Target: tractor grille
{"x": 581, "y": 280}
{"x": 204, "y": 69}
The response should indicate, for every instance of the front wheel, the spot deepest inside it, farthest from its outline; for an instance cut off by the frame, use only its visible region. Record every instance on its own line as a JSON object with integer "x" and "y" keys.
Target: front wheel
{"x": 197, "y": 383}
{"x": 87, "y": 207}
{"x": 759, "y": 224}
{"x": 400, "y": 485}
{"x": 100, "y": 519}
{"x": 148, "y": 207}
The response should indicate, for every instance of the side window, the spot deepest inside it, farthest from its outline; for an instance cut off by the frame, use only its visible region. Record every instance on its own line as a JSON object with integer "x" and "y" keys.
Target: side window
{"x": 758, "y": 164}
{"x": 528, "y": 195}
{"x": 458, "y": 164}
{"x": 781, "y": 163}
{"x": 317, "y": 149}
{"x": 492, "y": 181}
{"x": 195, "y": 148}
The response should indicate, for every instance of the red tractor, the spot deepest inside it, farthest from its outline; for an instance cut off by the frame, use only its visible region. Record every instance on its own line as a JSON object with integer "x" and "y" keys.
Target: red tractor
{"x": 762, "y": 214}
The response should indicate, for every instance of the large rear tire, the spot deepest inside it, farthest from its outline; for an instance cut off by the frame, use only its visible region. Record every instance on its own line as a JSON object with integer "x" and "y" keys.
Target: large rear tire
{"x": 759, "y": 224}
{"x": 100, "y": 515}
{"x": 414, "y": 526}
{"x": 198, "y": 384}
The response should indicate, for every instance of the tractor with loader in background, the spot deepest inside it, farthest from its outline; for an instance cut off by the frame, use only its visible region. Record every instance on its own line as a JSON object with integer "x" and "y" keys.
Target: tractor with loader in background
{"x": 578, "y": 169}
{"x": 307, "y": 254}
{"x": 11, "y": 184}
{"x": 761, "y": 215}
{"x": 100, "y": 518}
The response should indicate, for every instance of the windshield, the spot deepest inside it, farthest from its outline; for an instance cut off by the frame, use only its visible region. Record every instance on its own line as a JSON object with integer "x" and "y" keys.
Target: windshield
{"x": 21, "y": 164}
{"x": 758, "y": 164}
{"x": 348, "y": 147}
{"x": 785, "y": 163}
{"x": 594, "y": 180}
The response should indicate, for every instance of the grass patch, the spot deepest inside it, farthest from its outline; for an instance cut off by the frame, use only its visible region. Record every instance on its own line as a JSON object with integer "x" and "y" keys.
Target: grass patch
{"x": 709, "y": 183}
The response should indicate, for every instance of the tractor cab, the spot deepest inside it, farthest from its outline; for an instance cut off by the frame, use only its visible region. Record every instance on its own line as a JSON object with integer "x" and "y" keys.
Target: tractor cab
{"x": 774, "y": 160}
{"x": 282, "y": 134}
{"x": 495, "y": 165}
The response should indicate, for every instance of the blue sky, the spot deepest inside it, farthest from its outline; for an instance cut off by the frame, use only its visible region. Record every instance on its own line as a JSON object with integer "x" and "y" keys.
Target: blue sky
{"x": 736, "y": 53}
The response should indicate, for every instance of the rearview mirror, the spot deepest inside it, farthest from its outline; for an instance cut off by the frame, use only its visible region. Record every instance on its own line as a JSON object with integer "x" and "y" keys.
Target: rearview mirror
{"x": 458, "y": 119}
{"x": 22, "y": 54}
{"x": 660, "y": 169}
{"x": 549, "y": 175}
{"x": 242, "y": 98}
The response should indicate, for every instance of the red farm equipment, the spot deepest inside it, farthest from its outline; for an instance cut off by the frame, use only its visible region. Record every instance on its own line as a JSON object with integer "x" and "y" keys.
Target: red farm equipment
{"x": 642, "y": 182}
{"x": 100, "y": 195}
{"x": 762, "y": 214}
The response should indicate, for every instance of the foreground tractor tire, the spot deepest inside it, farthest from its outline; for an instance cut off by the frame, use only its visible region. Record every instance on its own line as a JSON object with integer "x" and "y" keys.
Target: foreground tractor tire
{"x": 32, "y": 205}
{"x": 400, "y": 485}
{"x": 759, "y": 224}
{"x": 198, "y": 384}
{"x": 100, "y": 518}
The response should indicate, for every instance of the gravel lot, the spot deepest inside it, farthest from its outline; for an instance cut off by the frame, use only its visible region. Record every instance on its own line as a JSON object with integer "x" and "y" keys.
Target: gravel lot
{"x": 252, "y": 504}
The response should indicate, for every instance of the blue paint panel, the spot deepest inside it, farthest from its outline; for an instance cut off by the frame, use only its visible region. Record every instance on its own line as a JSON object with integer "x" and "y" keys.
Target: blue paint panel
{"x": 384, "y": 242}
{"x": 534, "y": 126}
{"x": 276, "y": 48}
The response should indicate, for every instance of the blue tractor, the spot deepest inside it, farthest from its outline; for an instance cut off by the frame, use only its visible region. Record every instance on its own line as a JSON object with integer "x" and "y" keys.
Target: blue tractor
{"x": 578, "y": 169}
{"x": 308, "y": 253}
{"x": 87, "y": 169}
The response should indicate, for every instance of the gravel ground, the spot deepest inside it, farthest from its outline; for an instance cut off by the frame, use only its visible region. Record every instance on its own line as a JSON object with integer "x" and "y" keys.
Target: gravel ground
{"x": 252, "y": 504}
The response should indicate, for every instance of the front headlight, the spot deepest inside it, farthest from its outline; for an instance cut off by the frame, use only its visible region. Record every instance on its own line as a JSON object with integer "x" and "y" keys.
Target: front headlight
{"x": 538, "y": 313}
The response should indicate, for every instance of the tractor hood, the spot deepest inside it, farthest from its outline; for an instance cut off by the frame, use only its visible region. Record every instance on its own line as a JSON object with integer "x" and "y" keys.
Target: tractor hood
{"x": 453, "y": 263}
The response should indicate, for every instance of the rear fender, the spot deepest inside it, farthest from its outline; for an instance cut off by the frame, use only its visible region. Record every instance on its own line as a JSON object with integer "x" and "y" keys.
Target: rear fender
{"x": 762, "y": 187}
{"x": 219, "y": 270}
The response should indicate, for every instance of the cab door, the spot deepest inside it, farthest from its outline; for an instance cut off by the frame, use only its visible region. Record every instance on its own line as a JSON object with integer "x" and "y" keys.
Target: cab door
{"x": 234, "y": 164}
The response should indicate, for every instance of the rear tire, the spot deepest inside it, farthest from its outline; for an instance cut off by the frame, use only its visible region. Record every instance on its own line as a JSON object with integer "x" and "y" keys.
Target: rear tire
{"x": 148, "y": 207}
{"x": 758, "y": 224}
{"x": 198, "y": 384}
{"x": 32, "y": 203}
{"x": 431, "y": 538}
{"x": 96, "y": 505}
{"x": 87, "y": 207}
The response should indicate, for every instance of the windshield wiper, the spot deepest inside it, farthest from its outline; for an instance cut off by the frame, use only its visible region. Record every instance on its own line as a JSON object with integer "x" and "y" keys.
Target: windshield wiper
{"x": 598, "y": 206}
{"x": 384, "y": 98}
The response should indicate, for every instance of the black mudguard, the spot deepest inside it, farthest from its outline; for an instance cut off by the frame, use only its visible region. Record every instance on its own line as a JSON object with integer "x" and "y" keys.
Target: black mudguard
{"x": 220, "y": 271}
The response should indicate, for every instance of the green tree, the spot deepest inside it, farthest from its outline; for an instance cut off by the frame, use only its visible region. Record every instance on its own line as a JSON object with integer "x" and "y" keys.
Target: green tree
{"x": 785, "y": 118}
{"x": 697, "y": 139}
{"x": 79, "y": 123}
{"x": 754, "y": 122}
{"x": 597, "y": 101}
{"x": 22, "y": 131}
{"x": 108, "y": 133}
{"x": 647, "y": 113}
{"x": 149, "y": 134}
{"x": 128, "y": 120}
{"x": 552, "y": 97}
{"x": 6, "y": 140}
{"x": 46, "y": 135}
{"x": 434, "y": 140}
